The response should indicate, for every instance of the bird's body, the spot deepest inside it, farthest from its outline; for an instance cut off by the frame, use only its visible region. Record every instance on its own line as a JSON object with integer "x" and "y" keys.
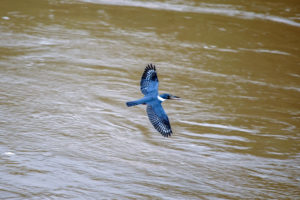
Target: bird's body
{"x": 155, "y": 111}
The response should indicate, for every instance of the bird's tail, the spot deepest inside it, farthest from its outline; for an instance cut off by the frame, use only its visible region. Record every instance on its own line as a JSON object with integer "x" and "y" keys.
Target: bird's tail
{"x": 137, "y": 102}
{"x": 132, "y": 103}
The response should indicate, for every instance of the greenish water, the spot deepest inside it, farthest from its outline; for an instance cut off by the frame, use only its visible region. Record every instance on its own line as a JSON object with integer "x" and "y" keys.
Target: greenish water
{"x": 68, "y": 67}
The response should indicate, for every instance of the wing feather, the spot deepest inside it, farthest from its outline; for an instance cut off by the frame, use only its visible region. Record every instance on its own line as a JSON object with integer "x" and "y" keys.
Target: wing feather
{"x": 149, "y": 80}
{"x": 159, "y": 119}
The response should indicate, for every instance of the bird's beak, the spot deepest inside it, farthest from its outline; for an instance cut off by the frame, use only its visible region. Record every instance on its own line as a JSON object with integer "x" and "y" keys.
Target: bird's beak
{"x": 175, "y": 98}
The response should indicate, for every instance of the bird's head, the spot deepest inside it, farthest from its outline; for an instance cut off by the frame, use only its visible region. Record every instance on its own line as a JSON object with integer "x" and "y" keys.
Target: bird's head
{"x": 166, "y": 96}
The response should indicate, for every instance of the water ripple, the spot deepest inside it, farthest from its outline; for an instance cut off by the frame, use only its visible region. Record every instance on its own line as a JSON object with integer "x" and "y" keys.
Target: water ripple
{"x": 228, "y": 127}
{"x": 224, "y": 11}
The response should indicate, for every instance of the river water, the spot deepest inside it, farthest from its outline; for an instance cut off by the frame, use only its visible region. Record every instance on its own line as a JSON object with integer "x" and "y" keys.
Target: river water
{"x": 68, "y": 67}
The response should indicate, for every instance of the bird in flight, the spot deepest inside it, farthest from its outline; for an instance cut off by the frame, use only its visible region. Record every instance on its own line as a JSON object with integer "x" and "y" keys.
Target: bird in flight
{"x": 155, "y": 111}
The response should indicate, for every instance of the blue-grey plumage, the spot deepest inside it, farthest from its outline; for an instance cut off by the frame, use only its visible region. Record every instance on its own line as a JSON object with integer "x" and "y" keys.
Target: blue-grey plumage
{"x": 155, "y": 111}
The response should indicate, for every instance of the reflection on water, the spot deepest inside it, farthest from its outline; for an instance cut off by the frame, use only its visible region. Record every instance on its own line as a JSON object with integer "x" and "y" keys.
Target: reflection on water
{"x": 67, "y": 69}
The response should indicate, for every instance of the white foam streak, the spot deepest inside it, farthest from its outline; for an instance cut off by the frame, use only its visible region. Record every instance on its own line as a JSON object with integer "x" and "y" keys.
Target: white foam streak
{"x": 231, "y": 12}
{"x": 228, "y": 127}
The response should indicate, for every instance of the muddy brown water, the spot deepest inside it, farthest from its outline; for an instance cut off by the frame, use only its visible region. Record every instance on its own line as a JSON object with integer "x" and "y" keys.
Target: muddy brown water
{"x": 68, "y": 67}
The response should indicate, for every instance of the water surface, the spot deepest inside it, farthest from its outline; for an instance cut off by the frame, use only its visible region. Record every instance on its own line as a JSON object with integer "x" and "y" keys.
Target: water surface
{"x": 68, "y": 67}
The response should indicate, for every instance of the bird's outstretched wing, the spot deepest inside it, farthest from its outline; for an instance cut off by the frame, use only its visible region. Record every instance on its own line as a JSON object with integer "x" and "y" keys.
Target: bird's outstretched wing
{"x": 149, "y": 81}
{"x": 159, "y": 119}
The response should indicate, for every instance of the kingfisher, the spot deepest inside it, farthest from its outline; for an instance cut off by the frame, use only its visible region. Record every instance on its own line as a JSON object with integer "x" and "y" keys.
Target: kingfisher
{"x": 155, "y": 111}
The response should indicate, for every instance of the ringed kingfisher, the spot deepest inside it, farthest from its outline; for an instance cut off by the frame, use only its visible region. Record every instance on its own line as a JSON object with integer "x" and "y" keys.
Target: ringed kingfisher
{"x": 155, "y": 111}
